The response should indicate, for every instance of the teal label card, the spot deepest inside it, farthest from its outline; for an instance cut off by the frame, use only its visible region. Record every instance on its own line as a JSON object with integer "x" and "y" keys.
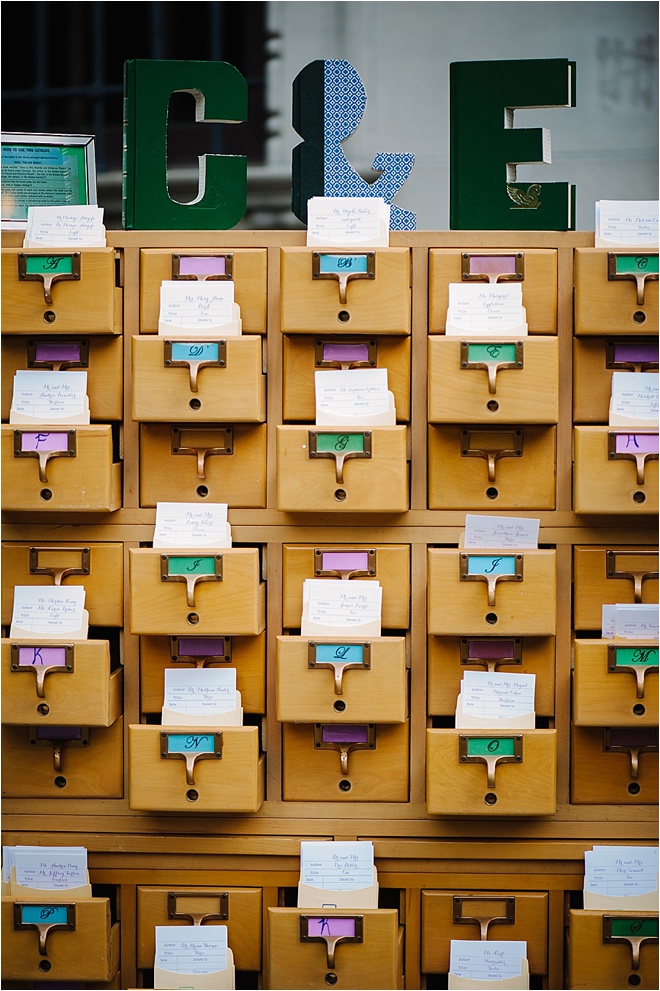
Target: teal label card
{"x": 341, "y": 264}
{"x": 182, "y": 351}
{"x": 485, "y": 565}
{"x": 483, "y": 746}
{"x": 190, "y": 743}
{"x": 191, "y": 566}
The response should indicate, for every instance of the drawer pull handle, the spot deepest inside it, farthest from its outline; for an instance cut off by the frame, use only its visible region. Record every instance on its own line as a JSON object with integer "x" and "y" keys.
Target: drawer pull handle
{"x": 491, "y": 445}
{"x": 44, "y": 445}
{"x": 197, "y": 918}
{"x": 490, "y": 751}
{"x": 345, "y": 739}
{"x": 196, "y": 446}
{"x": 340, "y": 447}
{"x": 343, "y": 268}
{"x": 191, "y": 571}
{"x": 331, "y": 930}
{"x": 638, "y": 268}
{"x": 637, "y": 577}
{"x": 493, "y": 358}
{"x": 44, "y": 918}
{"x": 59, "y": 737}
{"x": 191, "y": 747}
{"x": 48, "y": 269}
{"x": 640, "y": 447}
{"x": 42, "y": 660}
{"x": 632, "y": 930}
{"x": 488, "y": 914}
{"x": 59, "y": 573}
{"x": 634, "y": 742}
{"x": 194, "y": 355}
{"x": 339, "y": 658}
{"x": 491, "y": 569}
{"x": 638, "y": 661}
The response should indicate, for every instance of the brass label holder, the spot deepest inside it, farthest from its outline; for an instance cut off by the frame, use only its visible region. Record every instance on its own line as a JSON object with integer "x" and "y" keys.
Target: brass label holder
{"x": 635, "y": 938}
{"x": 190, "y": 748}
{"x": 341, "y": 450}
{"x": 200, "y": 451}
{"x": 485, "y": 917}
{"x": 41, "y": 670}
{"x": 191, "y": 577}
{"x": 59, "y": 740}
{"x": 342, "y": 741}
{"x": 195, "y": 360}
{"x": 40, "y": 923}
{"x": 196, "y": 917}
{"x": 48, "y": 273}
{"x": 58, "y": 574}
{"x": 504, "y": 444}
{"x": 636, "y": 577}
{"x": 342, "y": 660}
{"x": 339, "y": 265}
{"x": 640, "y": 457}
{"x": 43, "y": 455}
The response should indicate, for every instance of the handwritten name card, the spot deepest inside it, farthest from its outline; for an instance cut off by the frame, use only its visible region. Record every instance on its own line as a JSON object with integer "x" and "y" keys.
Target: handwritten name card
{"x": 184, "y": 524}
{"x": 337, "y": 866}
{"x": 352, "y": 397}
{"x": 65, "y": 226}
{"x": 347, "y": 221}
{"x": 191, "y": 949}
{"x": 353, "y": 607}
{"x": 198, "y": 308}
{"x": 630, "y": 621}
{"x": 55, "y": 612}
{"x": 51, "y": 868}
{"x": 627, "y": 223}
{"x": 500, "y": 531}
{"x": 479, "y": 309}
{"x": 634, "y": 399}
{"x": 621, "y": 871}
{"x": 49, "y": 397}
{"x": 487, "y": 960}
{"x": 496, "y": 696}
{"x": 200, "y": 691}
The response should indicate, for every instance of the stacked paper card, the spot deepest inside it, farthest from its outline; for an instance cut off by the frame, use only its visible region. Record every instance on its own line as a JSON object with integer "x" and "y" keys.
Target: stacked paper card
{"x": 202, "y": 309}
{"x": 51, "y": 398}
{"x": 496, "y": 699}
{"x": 634, "y": 403}
{"x": 337, "y": 874}
{"x": 626, "y": 224}
{"x": 64, "y": 227}
{"x": 623, "y": 878}
{"x": 356, "y": 397}
{"x": 348, "y": 221}
{"x": 30, "y": 871}
{"x": 57, "y": 612}
{"x": 193, "y": 957}
{"x": 630, "y": 621}
{"x": 492, "y": 963}
{"x": 350, "y": 608}
{"x": 479, "y": 309}
{"x": 186, "y": 524}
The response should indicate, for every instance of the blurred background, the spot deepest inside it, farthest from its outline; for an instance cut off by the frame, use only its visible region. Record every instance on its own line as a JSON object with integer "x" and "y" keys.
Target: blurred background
{"x": 62, "y": 72}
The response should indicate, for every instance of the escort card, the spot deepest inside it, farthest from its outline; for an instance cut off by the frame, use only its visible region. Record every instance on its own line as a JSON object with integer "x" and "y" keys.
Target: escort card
{"x": 191, "y": 949}
{"x": 186, "y": 524}
{"x": 496, "y": 695}
{"x": 64, "y": 226}
{"x": 57, "y": 612}
{"x": 351, "y": 607}
{"x": 353, "y": 397}
{"x": 630, "y": 621}
{"x": 348, "y": 221}
{"x": 487, "y": 960}
{"x": 49, "y": 397}
{"x": 50, "y": 868}
{"x": 621, "y": 871}
{"x": 207, "y": 692}
{"x": 337, "y": 865}
{"x": 500, "y": 531}
{"x": 480, "y": 309}
{"x": 198, "y": 309}
{"x": 634, "y": 399}
{"x": 626, "y": 224}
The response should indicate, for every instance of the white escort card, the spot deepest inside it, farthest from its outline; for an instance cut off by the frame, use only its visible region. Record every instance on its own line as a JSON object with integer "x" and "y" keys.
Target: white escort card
{"x": 56, "y": 612}
{"x": 348, "y": 221}
{"x": 496, "y": 698}
{"x": 49, "y": 397}
{"x": 352, "y": 608}
{"x": 621, "y": 877}
{"x": 337, "y": 874}
{"x": 500, "y": 531}
{"x": 626, "y": 224}
{"x": 630, "y": 621}
{"x": 59, "y": 871}
{"x": 492, "y": 963}
{"x": 78, "y": 226}
{"x": 193, "y": 957}
{"x": 634, "y": 401}
{"x": 198, "y": 309}
{"x": 356, "y": 397}
{"x": 201, "y": 697}
{"x": 187, "y": 524}
{"x": 479, "y": 309}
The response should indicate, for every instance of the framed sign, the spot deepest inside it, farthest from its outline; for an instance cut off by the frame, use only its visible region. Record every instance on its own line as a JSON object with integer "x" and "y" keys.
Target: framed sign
{"x": 45, "y": 170}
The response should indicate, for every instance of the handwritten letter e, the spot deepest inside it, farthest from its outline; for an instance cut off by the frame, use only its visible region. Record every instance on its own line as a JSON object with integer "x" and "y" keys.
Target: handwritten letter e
{"x": 220, "y": 93}
{"x": 328, "y": 103}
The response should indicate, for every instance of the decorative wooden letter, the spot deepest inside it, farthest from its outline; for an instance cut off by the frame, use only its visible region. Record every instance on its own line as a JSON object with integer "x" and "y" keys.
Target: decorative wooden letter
{"x": 328, "y": 104}
{"x": 220, "y": 93}
{"x": 485, "y": 147}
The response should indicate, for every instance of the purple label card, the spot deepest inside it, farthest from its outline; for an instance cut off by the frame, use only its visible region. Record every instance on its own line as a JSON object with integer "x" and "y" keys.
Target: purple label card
{"x": 345, "y": 352}
{"x": 45, "y": 441}
{"x": 41, "y": 656}
{"x": 57, "y": 351}
{"x": 636, "y": 443}
{"x": 331, "y": 926}
{"x": 345, "y": 561}
{"x": 201, "y": 647}
{"x": 490, "y": 650}
{"x": 492, "y": 265}
{"x": 344, "y": 734}
{"x": 202, "y": 265}
{"x": 636, "y": 352}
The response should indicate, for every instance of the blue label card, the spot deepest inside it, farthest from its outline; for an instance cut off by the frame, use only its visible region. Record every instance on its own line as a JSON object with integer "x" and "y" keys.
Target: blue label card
{"x": 350, "y": 653}
{"x": 190, "y": 743}
{"x": 483, "y": 565}
{"x": 182, "y": 351}
{"x": 40, "y": 914}
{"x": 343, "y": 263}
